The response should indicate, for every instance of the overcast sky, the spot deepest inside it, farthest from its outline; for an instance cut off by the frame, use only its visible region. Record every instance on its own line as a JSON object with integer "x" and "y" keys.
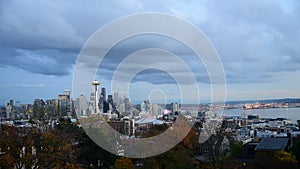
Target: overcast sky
{"x": 257, "y": 41}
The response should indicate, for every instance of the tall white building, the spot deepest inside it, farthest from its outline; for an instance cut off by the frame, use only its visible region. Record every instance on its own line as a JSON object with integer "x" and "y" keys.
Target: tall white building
{"x": 116, "y": 98}
{"x": 155, "y": 110}
{"x": 121, "y": 108}
{"x": 82, "y": 105}
{"x": 8, "y": 111}
{"x": 143, "y": 107}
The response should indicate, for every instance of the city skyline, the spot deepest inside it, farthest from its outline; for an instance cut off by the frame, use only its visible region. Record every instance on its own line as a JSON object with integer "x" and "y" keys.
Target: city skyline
{"x": 142, "y": 100}
{"x": 257, "y": 43}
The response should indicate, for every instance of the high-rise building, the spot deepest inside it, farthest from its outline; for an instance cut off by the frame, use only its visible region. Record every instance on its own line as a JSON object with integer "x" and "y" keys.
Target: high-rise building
{"x": 103, "y": 93}
{"x": 127, "y": 104}
{"x": 156, "y": 110}
{"x": 174, "y": 108}
{"x": 111, "y": 103}
{"x": 110, "y": 99}
{"x": 38, "y": 106}
{"x": 67, "y": 92}
{"x": 106, "y": 107}
{"x": 92, "y": 97}
{"x": 3, "y": 113}
{"x": 8, "y": 111}
{"x": 52, "y": 106}
{"x": 38, "y": 102}
{"x": 160, "y": 110}
{"x": 48, "y": 102}
{"x": 121, "y": 108}
{"x": 143, "y": 107}
{"x": 129, "y": 127}
{"x": 116, "y": 98}
{"x": 125, "y": 127}
{"x": 18, "y": 104}
{"x": 11, "y": 103}
{"x": 81, "y": 105}
{"x": 64, "y": 103}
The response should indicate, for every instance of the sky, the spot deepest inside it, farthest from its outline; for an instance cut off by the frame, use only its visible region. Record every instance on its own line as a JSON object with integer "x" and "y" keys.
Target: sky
{"x": 257, "y": 42}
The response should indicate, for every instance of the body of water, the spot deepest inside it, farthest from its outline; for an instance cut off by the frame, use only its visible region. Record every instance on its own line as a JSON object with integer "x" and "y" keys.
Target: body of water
{"x": 289, "y": 113}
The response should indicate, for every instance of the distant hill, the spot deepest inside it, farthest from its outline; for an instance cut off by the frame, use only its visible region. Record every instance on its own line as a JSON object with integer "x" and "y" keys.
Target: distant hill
{"x": 284, "y": 100}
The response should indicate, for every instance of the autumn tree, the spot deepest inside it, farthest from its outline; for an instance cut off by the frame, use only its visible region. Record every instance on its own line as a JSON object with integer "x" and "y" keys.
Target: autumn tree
{"x": 275, "y": 160}
{"x": 123, "y": 163}
{"x": 180, "y": 156}
{"x": 17, "y": 146}
{"x": 29, "y": 148}
{"x": 10, "y": 142}
{"x": 89, "y": 154}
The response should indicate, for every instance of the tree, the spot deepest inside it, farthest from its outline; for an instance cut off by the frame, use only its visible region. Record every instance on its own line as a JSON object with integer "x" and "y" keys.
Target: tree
{"x": 123, "y": 163}
{"x": 296, "y": 150}
{"x": 232, "y": 158}
{"x": 17, "y": 144}
{"x": 275, "y": 159}
{"x": 30, "y": 148}
{"x": 10, "y": 147}
{"x": 91, "y": 154}
{"x": 236, "y": 149}
{"x": 180, "y": 156}
{"x": 54, "y": 151}
{"x": 191, "y": 140}
{"x": 211, "y": 139}
{"x": 284, "y": 156}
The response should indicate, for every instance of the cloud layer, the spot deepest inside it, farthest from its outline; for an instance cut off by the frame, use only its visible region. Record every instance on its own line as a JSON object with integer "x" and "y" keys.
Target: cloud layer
{"x": 256, "y": 40}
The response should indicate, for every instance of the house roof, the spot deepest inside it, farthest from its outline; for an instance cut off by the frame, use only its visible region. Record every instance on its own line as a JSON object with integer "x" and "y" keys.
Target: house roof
{"x": 272, "y": 144}
{"x": 202, "y": 158}
{"x": 148, "y": 120}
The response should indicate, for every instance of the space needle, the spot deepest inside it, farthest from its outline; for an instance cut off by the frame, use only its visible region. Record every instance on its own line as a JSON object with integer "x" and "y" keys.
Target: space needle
{"x": 96, "y": 84}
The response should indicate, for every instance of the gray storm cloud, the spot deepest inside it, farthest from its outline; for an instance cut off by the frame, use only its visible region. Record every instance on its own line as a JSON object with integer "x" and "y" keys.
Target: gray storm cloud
{"x": 255, "y": 39}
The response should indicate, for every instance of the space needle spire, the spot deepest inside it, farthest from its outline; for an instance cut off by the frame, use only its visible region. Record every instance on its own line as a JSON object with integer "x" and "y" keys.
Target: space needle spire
{"x": 96, "y": 84}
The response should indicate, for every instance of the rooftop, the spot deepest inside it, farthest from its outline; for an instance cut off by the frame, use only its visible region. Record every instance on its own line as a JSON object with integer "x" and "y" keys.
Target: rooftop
{"x": 272, "y": 144}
